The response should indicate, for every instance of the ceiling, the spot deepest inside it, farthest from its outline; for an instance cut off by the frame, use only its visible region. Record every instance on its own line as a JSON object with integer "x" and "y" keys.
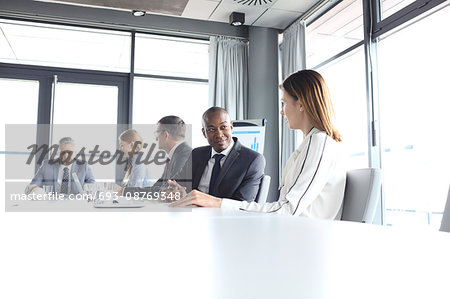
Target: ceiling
{"x": 264, "y": 13}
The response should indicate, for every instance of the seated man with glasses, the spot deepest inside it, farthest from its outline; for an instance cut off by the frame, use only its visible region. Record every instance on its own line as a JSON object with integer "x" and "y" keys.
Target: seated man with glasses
{"x": 225, "y": 168}
{"x": 170, "y": 134}
{"x": 59, "y": 172}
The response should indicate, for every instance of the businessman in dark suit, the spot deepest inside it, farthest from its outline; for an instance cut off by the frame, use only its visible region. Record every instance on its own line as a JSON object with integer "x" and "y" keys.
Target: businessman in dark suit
{"x": 170, "y": 134}
{"x": 59, "y": 173}
{"x": 224, "y": 169}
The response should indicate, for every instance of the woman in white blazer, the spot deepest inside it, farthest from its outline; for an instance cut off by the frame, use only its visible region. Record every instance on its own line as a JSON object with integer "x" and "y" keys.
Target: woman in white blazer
{"x": 313, "y": 180}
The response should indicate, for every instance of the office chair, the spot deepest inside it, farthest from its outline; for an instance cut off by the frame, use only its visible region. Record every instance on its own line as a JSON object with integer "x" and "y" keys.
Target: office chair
{"x": 445, "y": 223}
{"x": 263, "y": 189}
{"x": 362, "y": 192}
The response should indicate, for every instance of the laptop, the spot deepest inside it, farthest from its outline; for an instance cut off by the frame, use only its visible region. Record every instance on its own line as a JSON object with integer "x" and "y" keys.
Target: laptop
{"x": 116, "y": 202}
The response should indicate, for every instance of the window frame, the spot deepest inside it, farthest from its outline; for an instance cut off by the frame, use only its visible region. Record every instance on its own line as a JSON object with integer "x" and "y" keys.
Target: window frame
{"x": 122, "y": 80}
{"x": 375, "y": 27}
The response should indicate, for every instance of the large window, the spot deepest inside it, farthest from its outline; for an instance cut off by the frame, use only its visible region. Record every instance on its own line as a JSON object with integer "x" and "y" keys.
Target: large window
{"x": 85, "y": 104}
{"x": 81, "y": 76}
{"x": 168, "y": 56}
{"x": 390, "y": 97}
{"x": 333, "y": 33}
{"x": 171, "y": 79}
{"x": 64, "y": 46}
{"x": 95, "y": 112}
{"x": 156, "y": 98}
{"x": 389, "y": 7}
{"x": 414, "y": 106}
{"x": 339, "y": 28}
{"x": 348, "y": 94}
{"x": 18, "y": 105}
{"x": 171, "y": 73}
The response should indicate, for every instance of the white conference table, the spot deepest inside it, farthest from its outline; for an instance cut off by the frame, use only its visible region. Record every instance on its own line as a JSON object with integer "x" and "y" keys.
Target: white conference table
{"x": 214, "y": 253}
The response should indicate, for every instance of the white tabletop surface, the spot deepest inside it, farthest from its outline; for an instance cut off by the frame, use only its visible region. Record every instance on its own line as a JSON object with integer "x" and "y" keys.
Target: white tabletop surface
{"x": 214, "y": 253}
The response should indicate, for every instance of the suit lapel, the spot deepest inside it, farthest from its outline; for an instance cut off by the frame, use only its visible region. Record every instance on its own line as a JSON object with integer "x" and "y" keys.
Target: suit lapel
{"x": 55, "y": 170}
{"x": 170, "y": 168}
{"x": 200, "y": 167}
{"x": 170, "y": 173}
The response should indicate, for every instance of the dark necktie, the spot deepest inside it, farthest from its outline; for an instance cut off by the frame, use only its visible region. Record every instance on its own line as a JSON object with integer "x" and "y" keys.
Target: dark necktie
{"x": 215, "y": 171}
{"x": 65, "y": 181}
{"x": 165, "y": 175}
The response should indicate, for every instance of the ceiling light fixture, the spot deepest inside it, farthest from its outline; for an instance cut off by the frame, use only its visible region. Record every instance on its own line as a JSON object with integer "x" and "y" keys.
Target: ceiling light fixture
{"x": 237, "y": 18}
{"x": 138, "y": 13}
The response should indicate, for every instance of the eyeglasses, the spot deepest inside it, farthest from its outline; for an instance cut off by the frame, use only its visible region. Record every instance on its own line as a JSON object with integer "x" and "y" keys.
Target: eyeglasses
{"x": 158, "y": 132}
{"x": 65, "y": 153}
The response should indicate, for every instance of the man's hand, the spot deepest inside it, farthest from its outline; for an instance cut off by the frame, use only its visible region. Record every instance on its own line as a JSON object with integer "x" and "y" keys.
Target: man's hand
{"x": 200, "y": 199}
{"x": 118, "y": 189}
{"x": 174, "y": 188}
{"x": 31, "y": 188}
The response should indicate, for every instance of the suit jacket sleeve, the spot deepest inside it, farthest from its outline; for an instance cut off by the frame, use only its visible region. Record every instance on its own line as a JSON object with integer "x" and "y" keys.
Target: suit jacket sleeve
{"x": 180, "y": 159}
{"x": 38, "y": 178}
{"x": 248, "y": 190}
{"x": 89, "y": 178}
{"x": 184, "y": 176}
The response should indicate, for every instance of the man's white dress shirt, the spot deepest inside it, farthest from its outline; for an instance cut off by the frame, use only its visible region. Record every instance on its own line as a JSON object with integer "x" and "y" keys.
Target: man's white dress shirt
{"x": 203, "y": 185}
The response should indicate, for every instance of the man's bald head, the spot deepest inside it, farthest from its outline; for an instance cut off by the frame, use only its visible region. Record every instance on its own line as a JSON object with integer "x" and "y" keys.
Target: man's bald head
{"x": 214, "y": 110}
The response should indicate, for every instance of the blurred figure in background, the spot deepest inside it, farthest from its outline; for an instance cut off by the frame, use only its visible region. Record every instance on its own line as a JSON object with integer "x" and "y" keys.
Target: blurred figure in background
{"x": 136, "y": 174}
{"x": 170, "y": 134}
{"x": 59, "y": 173}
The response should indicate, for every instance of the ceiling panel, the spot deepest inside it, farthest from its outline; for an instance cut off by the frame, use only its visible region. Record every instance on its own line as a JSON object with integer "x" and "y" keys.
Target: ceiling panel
{"x": 273, "y": 14}
{"x": 276, "y": 18}
{"x": 253, "y": 3}
{"x": 200, "y": 9}
{"x": 223, "y": 11}
{"x": 296, "y": 6}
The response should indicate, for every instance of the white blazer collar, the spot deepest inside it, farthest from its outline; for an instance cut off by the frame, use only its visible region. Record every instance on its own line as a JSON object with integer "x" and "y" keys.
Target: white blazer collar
{"x": 294, "y": 155}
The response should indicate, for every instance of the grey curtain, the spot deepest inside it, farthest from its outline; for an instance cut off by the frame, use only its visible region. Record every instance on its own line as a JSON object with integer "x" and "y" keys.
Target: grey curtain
{"x": 293, "y": 59}
{"x": 228, "y": 75}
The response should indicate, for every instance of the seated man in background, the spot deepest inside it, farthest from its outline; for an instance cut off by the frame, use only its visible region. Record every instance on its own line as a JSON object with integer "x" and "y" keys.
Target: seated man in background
{"x": 225, "y": 168}
{"x": 59, "y": 172}
{"x": 170, "y": 134}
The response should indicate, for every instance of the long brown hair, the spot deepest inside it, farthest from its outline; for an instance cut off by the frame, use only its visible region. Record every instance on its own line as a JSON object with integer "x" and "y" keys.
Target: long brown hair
{"x": 309, "y": 87}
